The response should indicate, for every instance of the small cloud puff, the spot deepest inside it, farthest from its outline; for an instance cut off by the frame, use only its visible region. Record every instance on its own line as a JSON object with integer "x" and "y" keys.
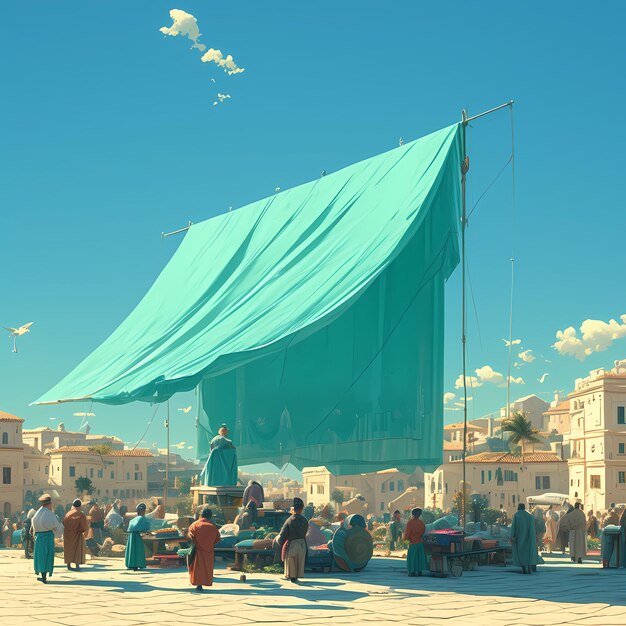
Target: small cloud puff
{"x": 527, "y": 356}
{"x": 486, "y": 374}
{"x": 186, "y": 25}
{"x": 227, "y": 63}
{"x": 595, "y": 336}
{"x": 448, "y": 397}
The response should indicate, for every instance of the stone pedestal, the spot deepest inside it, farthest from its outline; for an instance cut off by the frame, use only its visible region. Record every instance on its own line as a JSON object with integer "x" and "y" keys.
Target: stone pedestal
{"x": 229, "y": 499}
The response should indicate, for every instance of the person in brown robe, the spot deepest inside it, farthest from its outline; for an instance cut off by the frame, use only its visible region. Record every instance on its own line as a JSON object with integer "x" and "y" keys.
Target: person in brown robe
{"x": 293, "y": 533}
{"x": 204, "y": 535}
{"x": 75, "y": 526}
{"x": 96, "y": 522}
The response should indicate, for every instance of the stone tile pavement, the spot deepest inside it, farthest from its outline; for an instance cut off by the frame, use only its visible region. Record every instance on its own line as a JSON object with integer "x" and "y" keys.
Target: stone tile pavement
{"x": 561, "y": 593}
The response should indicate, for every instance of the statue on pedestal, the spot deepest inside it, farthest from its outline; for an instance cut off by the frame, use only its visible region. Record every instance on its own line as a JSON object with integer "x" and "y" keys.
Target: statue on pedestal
{"x": 220, "y": 469}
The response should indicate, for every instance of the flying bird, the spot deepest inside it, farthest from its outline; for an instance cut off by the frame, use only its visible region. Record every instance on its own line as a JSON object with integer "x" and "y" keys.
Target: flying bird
{"x": 18, "y": 332}
{"x": 213, "y": 80}
{"x": 186, "y": 409}
{"x": 401, "y": 142}
{"x": 512, "y": 343}
{"x": 543, "y": 378}
{"x": 277, "y": 189}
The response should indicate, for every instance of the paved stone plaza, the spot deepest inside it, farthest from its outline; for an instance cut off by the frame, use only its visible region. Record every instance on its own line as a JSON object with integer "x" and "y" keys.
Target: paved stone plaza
{"x": 559, "y": 594}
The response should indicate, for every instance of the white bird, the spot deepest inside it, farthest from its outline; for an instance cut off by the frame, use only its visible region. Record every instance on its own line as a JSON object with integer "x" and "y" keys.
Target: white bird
{"x": 512, "y": 343}
{"x": 401, "y": 142}
{"x": 543, "y": 378}
{"x": 186, "y": 409}
{"x": 277, "y": 189}
{"x": 18, "y": 332}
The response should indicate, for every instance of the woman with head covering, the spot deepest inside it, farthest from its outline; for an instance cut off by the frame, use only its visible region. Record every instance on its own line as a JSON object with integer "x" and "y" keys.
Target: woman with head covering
{"x": 75, "y": 526}
{"x": 114, "y": 519}
{"x": 45, "y": 526}
{"x": 204, "y": 535}
{"x": 551, "y": 521}
{"x": 135, "y": 551}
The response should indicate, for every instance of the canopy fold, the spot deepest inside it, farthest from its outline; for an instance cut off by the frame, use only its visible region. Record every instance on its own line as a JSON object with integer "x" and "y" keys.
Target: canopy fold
{"x": 325, "y": 297}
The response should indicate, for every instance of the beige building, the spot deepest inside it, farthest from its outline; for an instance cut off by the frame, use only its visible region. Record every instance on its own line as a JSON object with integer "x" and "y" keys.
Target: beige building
{"x": 499, "y": 476}
{"x": 597, "y": 440}
{"x": 117, "y": 474}
{"x": 557, "y": 420}
{"x": 378, "y": 488}
{"x": 11, "y": 464}
{"x": 533, "y": 408}
{"x": 44, "y": 438}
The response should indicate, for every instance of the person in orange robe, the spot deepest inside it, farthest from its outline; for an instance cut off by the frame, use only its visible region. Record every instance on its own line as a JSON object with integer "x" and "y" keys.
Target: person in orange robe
{"x": 414, "y": 534}
{"x": 75, "y": 526}
{"x": 204, "y": 535}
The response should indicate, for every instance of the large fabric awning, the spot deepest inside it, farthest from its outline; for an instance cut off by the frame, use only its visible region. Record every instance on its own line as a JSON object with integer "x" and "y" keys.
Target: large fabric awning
{"x": 255, "y": 283}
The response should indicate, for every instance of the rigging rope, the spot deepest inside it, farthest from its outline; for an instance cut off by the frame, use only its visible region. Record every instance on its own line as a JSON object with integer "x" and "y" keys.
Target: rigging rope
{"x": 145, "y": 432}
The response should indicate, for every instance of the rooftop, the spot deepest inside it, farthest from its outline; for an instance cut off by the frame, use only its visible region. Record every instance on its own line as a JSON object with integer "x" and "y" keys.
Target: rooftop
{"x": 89, "y": 450}
{"x": 507, "y": 457}
{"x": 470, "y": 427}
{"x": 563, "y": 407}
{"x": 7, "y": 417}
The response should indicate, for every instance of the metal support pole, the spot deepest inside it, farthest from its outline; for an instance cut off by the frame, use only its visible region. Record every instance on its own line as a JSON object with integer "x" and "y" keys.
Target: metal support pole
{"x": 464, "y": 170}
{"x": 167, "y": 458}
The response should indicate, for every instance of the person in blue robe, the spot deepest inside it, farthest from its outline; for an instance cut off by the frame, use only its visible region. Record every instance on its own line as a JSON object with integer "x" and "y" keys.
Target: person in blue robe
{"x": 135, "y": 557}
{"x": 45, "y": 526}
{"x": 220, "y": 469}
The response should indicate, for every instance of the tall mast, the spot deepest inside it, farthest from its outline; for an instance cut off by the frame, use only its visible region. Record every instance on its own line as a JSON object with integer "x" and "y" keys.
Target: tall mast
{"x": 464, "y": 169}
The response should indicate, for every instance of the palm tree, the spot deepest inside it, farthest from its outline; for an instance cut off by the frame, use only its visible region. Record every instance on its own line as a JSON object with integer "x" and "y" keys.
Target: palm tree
{"x": 522, "y": 431}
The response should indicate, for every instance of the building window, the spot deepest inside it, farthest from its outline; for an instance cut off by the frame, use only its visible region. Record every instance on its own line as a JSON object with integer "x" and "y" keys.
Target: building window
{"x": 5, "y": 439}
{"x": 622, "y": 477}
{"x": 91, "y": 472}
{"x": 137, "y": 475}
{"x": 45, "y": 469}
{"x": 510, "y": 476}
{"x": 621, "y": 417}
{"x": 311, "y": 488}
{"x": 72, "y": 471}
{"x": 100, "y": 472}
{"x": 400, "y": 485}
{"x": 542, "y": 482}
{"x": 115, "y": 492}
{"x": 127, "y": 478}
{"x": 6, "y": 475}
{"x": 112, "y": 475}
{"x": 25, "y": 464}
{"x": 482, "y": 477}
{"x": 392, "y": 486}
{"x": 382, "y": 506}
{"x": 136, "y": 466}
{"x": 595, "y": 482}
{"x": 382, "y": 488}
{"x": 489, "y": 475}
{"x": 620, "y": 448}
{"x": 320, "y": 489}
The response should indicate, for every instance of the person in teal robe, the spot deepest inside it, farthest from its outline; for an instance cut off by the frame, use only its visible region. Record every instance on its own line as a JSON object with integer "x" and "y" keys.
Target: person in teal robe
{"x": 135, "y": 557}
{"x": 524, "y": 540}
{"x": 44, "y": 527}
{"x": 220, "y": 469}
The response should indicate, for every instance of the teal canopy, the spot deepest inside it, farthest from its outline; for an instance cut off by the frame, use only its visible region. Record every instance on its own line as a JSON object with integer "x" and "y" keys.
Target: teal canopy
{"x": 312, "y": 321}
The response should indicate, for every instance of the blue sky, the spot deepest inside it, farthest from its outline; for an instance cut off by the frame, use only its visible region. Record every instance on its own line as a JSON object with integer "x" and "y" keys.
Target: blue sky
{"x": 110, "y": 137}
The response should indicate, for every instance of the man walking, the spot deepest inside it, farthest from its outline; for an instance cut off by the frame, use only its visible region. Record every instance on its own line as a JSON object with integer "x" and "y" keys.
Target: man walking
{"x": 75, "y": 526}
{"x": 204, "y": 535}
{"x": 524, "y": 540}
{"x": 45, "y": 526}
{"x": 292, "y": 542}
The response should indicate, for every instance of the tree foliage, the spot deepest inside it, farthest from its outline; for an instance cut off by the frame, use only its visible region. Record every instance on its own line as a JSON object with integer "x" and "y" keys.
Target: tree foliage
{"x": 84, "y": 485}
{"x": 521, "y": 431}
{"x": 337, "y": 497}
{"x": 102, "y": 449}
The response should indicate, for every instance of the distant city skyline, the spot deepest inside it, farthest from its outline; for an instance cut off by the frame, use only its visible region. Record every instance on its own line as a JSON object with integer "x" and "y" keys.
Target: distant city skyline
{"x": 113, "y": 141}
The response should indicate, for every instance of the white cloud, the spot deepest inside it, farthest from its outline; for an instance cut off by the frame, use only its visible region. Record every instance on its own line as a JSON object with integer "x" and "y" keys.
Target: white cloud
{"x": 186, "y": 25}
{"x": 471, "y": 381}
{"x": 227, "y": 63}
{"x": 514, "y": 342}
{"x": 486, "y": 374}
{"x": 180, "y": 445}
{"x": 527, "y": 356}
{"x": 448, "y": 397}
{"x": 595, "y": 336}
{"x": 452, "y": 408}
